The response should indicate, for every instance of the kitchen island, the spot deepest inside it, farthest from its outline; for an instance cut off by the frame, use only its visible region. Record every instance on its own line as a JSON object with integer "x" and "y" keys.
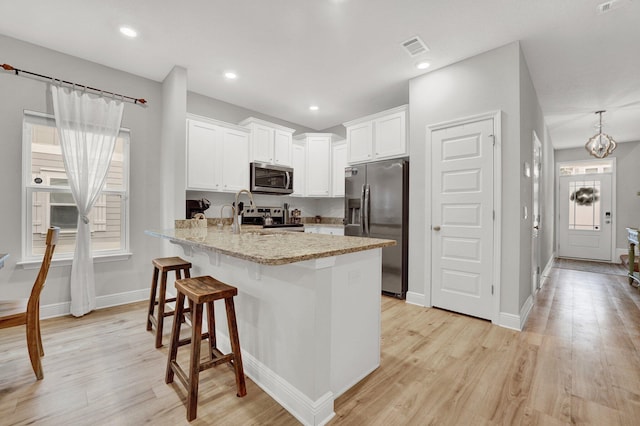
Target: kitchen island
{"x": 308, "y": 309}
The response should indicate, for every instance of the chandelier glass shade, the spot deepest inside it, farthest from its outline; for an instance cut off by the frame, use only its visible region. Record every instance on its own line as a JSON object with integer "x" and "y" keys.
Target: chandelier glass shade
{"x": 601, "y": 144}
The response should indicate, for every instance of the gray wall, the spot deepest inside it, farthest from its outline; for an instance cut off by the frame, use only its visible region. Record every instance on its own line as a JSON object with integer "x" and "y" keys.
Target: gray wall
{"x": 547, "y": 199}
{"x": 627, "y": 157}
{"x": 219, "y": 110}
{"x": 484, "y": 83}
{"x": 531, "y": 119}
{"x": 20, "y": 93}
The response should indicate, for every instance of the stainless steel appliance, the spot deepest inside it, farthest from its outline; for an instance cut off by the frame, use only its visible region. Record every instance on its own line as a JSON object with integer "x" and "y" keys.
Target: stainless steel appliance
{"x": 270, "y": 179}
{"x": 268, "y": 217}
{"x": 377, "y": 205}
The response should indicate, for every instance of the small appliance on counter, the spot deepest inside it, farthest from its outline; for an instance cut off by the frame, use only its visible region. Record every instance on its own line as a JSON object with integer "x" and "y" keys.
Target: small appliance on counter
{"x": 295, "y": 216}
{"x": 196, "y": 207}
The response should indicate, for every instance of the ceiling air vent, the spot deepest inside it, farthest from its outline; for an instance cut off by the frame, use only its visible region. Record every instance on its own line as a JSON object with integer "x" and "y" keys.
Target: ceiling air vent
{"x": 611, "y": 5}
{"x": 414, "y": 46}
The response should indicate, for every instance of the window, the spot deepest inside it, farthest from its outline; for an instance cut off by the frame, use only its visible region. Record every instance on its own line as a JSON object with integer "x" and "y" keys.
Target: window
{"x": 48, "y": 201}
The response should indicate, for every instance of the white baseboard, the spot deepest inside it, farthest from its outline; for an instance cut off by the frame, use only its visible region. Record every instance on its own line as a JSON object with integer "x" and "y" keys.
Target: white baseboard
{"x": 308, "y": 412}
{"x": 544, "y": 276}
{"x": 416, "y": 298}
{"x": 621, "y": 251}
{"x": 64, "y": 308}
{"x": 525, "y": 310}
{"x": 509, "y": 321}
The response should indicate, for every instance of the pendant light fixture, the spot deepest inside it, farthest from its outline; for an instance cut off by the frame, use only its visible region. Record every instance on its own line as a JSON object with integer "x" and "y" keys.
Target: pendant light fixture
{"x": 601, "y": 144}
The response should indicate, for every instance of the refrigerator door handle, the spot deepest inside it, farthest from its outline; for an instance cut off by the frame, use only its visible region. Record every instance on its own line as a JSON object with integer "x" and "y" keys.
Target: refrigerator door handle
{"x": 362, "y": 210}
{"x": 367, "y": 200}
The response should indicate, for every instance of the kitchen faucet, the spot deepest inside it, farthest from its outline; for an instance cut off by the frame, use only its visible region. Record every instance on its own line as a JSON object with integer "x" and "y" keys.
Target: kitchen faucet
{"x": 233, "y": 213}
{"x": 235, "y": 226}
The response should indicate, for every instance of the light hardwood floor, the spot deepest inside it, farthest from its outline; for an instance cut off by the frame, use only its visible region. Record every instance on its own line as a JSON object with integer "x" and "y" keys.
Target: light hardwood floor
{"x": 576, "y": 362}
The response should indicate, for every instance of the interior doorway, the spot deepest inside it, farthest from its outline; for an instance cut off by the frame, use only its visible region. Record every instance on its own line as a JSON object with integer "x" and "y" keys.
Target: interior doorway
{"x": 586, "y": 219}
{"x": 535, "y": 235}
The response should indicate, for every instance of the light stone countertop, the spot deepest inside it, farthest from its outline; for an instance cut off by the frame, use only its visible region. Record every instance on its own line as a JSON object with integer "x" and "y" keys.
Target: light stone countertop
{"x": 269, "y": 246}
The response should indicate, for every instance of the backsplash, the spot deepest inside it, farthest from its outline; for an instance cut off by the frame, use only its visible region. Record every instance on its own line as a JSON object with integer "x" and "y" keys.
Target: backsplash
{"x": 309, "y": 207}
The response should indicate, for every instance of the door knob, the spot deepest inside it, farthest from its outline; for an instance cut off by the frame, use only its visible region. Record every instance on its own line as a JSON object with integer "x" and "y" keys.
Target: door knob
{"x": 436, "y": 228}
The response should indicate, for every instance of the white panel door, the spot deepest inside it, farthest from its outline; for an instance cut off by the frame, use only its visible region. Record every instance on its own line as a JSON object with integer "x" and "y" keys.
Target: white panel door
{"x": 338, "y": 164}
{"x": 261, "y": 143}
{"x": 299, "y": 169}
{"x": 235, "y": 164}
{"x": 584, "y": 205}
{"x": 282, "y": 148}
{"x": 318, "y": 166}
{"x": 390, "y": 136}
{"x": 360, "y": 142}
{"x": 202, "y": 147}
{"x": 462, "y": 215}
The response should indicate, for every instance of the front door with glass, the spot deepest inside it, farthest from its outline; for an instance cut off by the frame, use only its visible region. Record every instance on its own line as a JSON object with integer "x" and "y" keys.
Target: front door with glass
{"x": 586, "y": 216}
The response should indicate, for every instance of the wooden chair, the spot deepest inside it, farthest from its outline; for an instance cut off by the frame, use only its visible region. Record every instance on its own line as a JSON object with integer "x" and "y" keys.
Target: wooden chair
{"x": 20, "y": 312}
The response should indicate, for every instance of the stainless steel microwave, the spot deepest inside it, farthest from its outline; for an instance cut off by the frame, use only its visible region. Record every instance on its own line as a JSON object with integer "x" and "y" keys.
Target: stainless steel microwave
{"x": 269, "y": 179}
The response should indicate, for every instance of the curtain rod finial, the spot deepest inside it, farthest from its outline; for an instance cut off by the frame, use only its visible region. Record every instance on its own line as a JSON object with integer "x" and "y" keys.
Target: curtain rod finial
{"x": 141, "y": 101}
{"x": 7, "y": 67}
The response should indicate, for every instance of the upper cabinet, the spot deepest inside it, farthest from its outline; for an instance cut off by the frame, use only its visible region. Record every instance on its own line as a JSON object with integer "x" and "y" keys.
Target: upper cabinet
{"x": 338, "y": 164}
{"x": 315, "y": 173}
{"x": 378, "y": 136}
{"x": 269, "y": 143}
{"x": 217, "y": 155}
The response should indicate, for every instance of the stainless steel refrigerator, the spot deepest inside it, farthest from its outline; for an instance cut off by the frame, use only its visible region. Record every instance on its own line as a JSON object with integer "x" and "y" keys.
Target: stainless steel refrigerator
{"x": 377, "y": 205}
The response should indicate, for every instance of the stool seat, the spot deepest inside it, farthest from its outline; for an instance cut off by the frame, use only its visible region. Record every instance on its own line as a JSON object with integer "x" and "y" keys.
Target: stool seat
{"x": 205, "y": 289}
{"x": 161, "y": 266}
{"x": 200, "y": 291}
{"x": 170, "y": 263}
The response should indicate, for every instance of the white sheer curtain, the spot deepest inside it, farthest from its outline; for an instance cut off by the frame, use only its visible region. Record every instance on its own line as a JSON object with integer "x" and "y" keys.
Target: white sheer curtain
{"x": 88, "y": 127}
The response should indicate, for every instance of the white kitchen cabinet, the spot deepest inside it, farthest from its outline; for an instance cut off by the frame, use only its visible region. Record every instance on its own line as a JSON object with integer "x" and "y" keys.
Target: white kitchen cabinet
{"x": 317, "y": 165}
{"x": 269, "y": 142}
{"x": 298, "y": 160}
{"x": 217, "y": 156}
{"x": 323, "y": 229}
{"x": 377, "y": 137}
{"x": 338, "y": 164}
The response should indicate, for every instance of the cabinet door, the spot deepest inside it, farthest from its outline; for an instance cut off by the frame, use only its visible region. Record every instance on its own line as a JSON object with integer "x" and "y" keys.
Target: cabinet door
{"x": 390, "y": 136}
{"x": 261, "y": 143}
{"x": 318, "y": 166}
{"x": 235, "y": 160}
{"x": 338, "y": 164}
{"x": 298, "y": 158}
{"x": 360, "y": 142}
{"x": 202, "y": 152}
{"x": 282, "y": 147}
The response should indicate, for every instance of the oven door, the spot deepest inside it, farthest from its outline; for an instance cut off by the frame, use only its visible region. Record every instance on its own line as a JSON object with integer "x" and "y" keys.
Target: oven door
{"x": 269, "y": 179}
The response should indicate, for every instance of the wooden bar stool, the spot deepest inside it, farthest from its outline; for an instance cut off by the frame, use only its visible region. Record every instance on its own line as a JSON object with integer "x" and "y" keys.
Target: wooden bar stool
{"x": 201, "y": 290}
{"x": 163, "y": 265}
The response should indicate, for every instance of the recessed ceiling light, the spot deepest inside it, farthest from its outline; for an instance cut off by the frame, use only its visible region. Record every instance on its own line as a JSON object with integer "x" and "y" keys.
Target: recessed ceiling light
{"x": 129, "y": 32}
{"x": 314, "y": 107}
{"x": 230, "y": 75}
{"x": 423, "y": 65}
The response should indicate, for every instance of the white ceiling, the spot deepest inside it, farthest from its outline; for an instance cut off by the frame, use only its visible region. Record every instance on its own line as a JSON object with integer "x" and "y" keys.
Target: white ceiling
{"x": 345, "y": 55}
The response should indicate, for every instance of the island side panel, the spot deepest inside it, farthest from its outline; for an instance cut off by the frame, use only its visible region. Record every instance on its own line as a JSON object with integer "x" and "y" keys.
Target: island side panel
{"x": 355, "y": 328}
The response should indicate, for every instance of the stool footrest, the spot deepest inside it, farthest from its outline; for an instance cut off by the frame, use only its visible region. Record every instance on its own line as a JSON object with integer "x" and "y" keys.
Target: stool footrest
{"x": 180, "y": 374}
{"x": 187, "y": 340}
{"x": 219, "y": 359}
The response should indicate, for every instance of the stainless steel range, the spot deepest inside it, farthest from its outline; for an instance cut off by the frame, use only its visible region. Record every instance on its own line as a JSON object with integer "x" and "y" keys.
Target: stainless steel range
{"x": 268, "y": 217}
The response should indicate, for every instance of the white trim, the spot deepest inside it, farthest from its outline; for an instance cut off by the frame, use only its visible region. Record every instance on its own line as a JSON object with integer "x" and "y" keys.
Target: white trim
{"x": 201, "y": 118}
{"x": 614, "y": 190}
{"x": 525, "y": 311}
{"x": 509, "y": 321}
{"x": 307, "y": 411}
{"x": 252, "y": 120}
{"x": 414, "y": 298}
{"x": 496, "y": 316}
{"x": 376, "y": 115}
{"x": 67, "y": 260}
{"x": 64, "y": 308}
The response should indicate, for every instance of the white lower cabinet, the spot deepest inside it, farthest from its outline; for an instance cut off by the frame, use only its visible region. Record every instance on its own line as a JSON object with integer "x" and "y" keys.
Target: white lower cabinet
{"x": 217, "y": 156}
{"x": 324, "y": 229}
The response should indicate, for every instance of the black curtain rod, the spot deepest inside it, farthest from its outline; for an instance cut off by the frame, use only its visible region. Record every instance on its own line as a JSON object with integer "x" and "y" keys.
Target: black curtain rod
{"x": 137, "y": 101}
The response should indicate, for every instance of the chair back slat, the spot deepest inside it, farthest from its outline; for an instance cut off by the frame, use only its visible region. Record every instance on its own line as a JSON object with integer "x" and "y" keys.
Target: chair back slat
{"x": 52, "y": 239}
